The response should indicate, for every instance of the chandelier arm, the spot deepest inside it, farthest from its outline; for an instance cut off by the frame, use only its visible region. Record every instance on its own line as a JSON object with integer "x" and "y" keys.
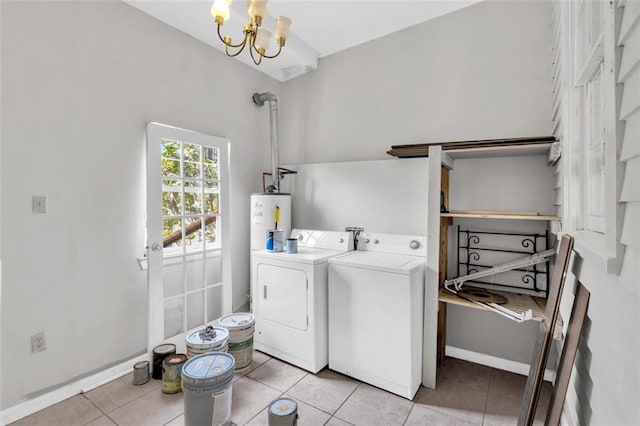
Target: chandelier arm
{"x": 272, "y": 56}
{"x": 251, "y": 49}
{"x": 232, "y": 55}
{"x": 241, "y": 44}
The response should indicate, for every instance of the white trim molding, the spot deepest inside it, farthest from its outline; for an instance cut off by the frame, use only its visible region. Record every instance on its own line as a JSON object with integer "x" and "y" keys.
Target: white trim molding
{"x": 85, "y": 384}
{"x": 495, "y": 362}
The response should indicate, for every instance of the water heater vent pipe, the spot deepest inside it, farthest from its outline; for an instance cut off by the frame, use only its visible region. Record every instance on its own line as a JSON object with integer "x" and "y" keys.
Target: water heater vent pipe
{"x": 259, "y": 99}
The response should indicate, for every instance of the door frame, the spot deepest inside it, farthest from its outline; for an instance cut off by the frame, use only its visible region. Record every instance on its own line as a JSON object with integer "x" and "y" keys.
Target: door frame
{"x": 155, "y": 132}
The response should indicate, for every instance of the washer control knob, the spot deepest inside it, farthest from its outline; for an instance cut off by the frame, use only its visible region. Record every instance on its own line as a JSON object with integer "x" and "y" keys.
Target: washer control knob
{"x": 300, "y": 237}
{"x": 365, "y": 240}
{"x": 414, "y": 244}
{"x": 376, "y": 241}
{"x": 341, "y": 240}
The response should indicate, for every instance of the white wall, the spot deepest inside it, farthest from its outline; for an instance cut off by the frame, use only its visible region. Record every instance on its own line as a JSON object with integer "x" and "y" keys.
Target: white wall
{"x": 385, "y": 196}
{"x": 481, "y": 72}
{"x": 79, "y": 82}
{"x": 506, "y": 184}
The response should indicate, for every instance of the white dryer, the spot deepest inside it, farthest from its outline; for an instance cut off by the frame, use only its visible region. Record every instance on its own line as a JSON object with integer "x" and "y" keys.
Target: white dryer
{"x": 289, "y": 298}
{"x": 375, "y": 312}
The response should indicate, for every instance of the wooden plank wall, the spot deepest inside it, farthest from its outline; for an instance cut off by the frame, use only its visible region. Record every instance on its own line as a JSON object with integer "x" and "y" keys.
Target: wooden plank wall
{"x": 629, "y": 76}
{"x": 557, "y": 106}
{"x": 604, "y": 387}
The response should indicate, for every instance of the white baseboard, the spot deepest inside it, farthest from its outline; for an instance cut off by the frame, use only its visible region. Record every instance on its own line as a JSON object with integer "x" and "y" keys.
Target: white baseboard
{"x": 495, "y": 362}
{"x": 68, "y": 390}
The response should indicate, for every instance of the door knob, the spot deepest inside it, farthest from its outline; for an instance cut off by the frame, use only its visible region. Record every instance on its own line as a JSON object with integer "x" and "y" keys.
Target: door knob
{"x": 156, "y": 247}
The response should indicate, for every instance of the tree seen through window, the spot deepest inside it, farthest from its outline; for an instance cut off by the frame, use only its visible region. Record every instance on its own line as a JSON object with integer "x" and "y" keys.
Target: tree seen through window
{"x": 190, "y": 194}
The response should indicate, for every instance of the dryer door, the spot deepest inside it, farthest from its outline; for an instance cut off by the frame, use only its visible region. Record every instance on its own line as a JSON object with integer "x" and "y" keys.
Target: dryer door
{"x": 282, "y": 295}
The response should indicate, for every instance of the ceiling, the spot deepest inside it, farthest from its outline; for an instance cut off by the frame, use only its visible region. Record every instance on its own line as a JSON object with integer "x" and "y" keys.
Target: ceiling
{"x": 320, "y": 27}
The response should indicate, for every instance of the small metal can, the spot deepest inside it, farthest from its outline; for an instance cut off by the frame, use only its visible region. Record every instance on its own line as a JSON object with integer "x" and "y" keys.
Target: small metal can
{"x": 171, "y": 377}
{"x": 275, "y": 240}
{"x": 159, "y": 354}
{"x": 283, "y": 412}
{"x": 140, "y": 372}
{"x": 291, "y": 245}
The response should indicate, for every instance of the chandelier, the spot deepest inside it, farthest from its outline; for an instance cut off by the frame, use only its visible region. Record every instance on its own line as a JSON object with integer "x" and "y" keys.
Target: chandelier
{"x": 257, "y": 38}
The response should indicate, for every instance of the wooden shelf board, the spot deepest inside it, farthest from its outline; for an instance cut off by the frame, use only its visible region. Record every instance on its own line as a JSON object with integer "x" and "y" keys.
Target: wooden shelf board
{"x": 500, "y": 151}
{"x": 517, "y": 302}
{"x": 498, "y": 215}
{"x": 538, "y": 145}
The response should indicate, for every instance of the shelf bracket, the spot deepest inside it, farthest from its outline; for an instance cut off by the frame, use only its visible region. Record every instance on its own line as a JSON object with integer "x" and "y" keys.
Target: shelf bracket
{"x": 518, "y": 263}
{"x": 455, "y": 285}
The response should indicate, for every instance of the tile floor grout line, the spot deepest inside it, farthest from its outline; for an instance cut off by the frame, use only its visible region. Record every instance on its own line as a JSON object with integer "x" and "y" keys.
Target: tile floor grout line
{"x": 181, "y": 414}
{"x": 413, "y": 405}
{"x": 332, "y": 415}
{"x": 151, "y": 380}
{"x": 159, "y": 388}
{"x": 298, "y": 381}
{"x": 285, "y": 393}
{"x": 265, "y": 384}
{"x": 346, "y": 399}
{"x": 309, "y": 403}
{"x": 282, "y": 393}
{"x": 306, "y": 373}
{"x": 254, "y": 367}
{"x": 261, "y": 408}
{"x": 486, "y": 401}
{"x": 344, "y": 421}
{"x": 97, "y": 408}
{"x": 456, "y": 416}
{"x": 145, "y": 393}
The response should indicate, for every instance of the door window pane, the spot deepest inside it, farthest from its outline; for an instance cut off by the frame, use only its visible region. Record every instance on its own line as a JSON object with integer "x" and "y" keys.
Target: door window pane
{"x": 192, "y": 273}
{"x": 191, "y": 157}
{"x": 195, "y": 309}
{"x": 173, "y": 317}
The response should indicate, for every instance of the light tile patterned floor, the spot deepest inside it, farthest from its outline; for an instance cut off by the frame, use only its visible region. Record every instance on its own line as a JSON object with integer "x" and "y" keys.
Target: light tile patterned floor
{"x": 467, "y": 394}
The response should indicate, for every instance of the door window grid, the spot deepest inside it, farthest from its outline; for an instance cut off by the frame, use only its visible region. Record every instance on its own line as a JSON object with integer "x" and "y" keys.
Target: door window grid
{"x": 190, "y": 192}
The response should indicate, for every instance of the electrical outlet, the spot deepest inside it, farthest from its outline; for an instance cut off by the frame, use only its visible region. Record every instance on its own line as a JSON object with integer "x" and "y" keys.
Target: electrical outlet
{"x": 39, "y": 204}
{"x": 38, "y": 342}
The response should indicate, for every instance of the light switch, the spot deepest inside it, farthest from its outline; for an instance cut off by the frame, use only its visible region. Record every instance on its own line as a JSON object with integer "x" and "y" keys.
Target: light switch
{"x": 39, "y": 204}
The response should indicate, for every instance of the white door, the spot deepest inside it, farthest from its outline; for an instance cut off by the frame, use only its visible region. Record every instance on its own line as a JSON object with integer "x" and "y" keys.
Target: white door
{"x": 188, "y": 232}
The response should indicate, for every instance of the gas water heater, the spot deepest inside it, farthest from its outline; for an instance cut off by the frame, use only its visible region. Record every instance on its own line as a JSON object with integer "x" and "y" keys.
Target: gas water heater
{"x": 266, "y": 208}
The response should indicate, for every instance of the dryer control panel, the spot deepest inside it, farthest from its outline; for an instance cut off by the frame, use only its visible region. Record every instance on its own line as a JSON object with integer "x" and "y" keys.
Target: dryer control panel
{"x": 333, "y": 240}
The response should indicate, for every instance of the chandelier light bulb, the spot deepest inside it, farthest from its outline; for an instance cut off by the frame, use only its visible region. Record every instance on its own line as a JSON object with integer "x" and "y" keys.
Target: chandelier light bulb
{"x": 282, "y": 29}
{"x": 262, "y": 40}
{"x": 257, "y": 8}
{"x": 220, "y": 10}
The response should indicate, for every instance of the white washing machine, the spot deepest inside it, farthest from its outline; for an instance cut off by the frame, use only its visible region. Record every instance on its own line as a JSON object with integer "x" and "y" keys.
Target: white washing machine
{"x": 375, "y": 312}
{"x": 289, "y": 298}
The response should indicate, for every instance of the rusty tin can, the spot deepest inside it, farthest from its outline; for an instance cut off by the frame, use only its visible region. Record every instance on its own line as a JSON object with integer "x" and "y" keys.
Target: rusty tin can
{"x": 171, "y": 377}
